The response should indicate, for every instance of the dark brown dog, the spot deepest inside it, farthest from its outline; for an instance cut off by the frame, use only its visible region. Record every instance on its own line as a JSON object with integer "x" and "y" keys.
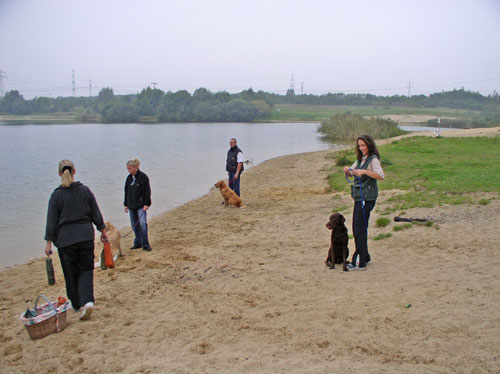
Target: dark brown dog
{"x": 338, "y": 251}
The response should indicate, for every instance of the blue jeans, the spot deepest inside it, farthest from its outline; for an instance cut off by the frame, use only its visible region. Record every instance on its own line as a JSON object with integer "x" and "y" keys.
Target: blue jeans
{"x": 360, "y": 231}
{"x": 141, "y": 228}
{"x": 234, "y": 184}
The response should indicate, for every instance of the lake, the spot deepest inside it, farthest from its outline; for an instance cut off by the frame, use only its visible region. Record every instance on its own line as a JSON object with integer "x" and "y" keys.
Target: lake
{"x": 183, "y": 161}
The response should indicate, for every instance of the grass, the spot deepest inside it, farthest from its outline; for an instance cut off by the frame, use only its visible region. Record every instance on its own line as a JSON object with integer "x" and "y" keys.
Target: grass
{"x": 382, "y": 222}
{"x": 402, "y": 227}
{"x": 318, "y": 113}
{"x": 298, "y": 112}
{"x": 435, "y": 171}
{"x": 342, "y": 209}
{"x": 382, "y": 236}
{"x": 484, "y": 201}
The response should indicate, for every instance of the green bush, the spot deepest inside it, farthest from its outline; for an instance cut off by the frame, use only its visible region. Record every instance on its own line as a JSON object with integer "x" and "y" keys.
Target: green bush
{"x": 484, "y": 201}
{"x": 350, "y": 126}
{"x": 382, "y": 222}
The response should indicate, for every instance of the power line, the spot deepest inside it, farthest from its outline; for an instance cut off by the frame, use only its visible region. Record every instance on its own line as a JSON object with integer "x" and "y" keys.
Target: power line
{"x": 2, "y": 76}
{"x": 73, "y": 86}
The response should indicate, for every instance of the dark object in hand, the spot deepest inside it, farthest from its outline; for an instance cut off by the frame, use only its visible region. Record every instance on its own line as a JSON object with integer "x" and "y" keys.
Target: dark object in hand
{"x": 50, "y": 271}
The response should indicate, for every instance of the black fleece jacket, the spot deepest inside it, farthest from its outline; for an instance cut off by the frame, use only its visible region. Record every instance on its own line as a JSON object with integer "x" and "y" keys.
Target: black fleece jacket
{"x": 138, "y": 193}
{"x": 70, "y": 215}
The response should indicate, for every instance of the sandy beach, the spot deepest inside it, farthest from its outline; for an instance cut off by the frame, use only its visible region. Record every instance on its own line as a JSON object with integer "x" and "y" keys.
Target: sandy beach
{"x": 229, "y": 290}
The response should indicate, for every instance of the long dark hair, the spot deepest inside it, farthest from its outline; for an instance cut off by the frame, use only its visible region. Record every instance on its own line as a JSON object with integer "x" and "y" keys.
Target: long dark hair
{"x": 370, "y": 143}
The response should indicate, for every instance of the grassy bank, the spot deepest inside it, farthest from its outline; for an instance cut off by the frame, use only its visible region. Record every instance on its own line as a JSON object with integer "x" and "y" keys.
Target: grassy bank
{"x": 280, "y": 113}
{"x": 57, "y": 118}
{"x": 290, "y": 112}
{"x": 433, "y": 171}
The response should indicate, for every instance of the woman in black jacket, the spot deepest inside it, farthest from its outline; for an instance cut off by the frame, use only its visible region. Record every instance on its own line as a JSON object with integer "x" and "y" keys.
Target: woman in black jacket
{"x": 71, "y": 214}
{"x": 137, "y": 202}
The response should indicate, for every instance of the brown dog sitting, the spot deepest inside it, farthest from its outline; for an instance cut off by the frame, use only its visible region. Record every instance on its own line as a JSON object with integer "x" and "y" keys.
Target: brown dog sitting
{"x": 230, "y": 197}
{"x": 338, "y": 251}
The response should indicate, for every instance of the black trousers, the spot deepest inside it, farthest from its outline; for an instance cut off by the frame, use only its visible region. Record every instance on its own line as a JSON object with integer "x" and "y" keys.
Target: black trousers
{"x": 77, "y": 261}
{"x": 360, "y": 231}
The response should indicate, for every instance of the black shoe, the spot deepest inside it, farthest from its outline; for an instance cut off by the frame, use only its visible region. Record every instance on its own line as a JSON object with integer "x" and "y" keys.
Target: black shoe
{"x": 135, "y": 246}
{"x": 147, "y": 248}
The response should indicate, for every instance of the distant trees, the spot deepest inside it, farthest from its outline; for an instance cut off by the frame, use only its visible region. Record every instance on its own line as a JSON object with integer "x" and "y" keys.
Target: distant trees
{"x": 245, "y": 106}
{"x": 105, "y": 94}
{"x": 121, "y": 113}
{"x": 13, "y": 102}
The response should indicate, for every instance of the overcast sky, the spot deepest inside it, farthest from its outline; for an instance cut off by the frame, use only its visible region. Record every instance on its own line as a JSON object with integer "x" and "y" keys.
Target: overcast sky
{"x": 346, "y": 46}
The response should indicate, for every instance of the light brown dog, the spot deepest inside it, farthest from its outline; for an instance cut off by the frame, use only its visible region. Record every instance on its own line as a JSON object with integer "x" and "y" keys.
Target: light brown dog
{"x": 114, "y": 238}
{"x": 230, "y": 197}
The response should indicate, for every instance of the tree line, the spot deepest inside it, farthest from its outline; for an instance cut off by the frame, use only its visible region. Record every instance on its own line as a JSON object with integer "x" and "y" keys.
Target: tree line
{"x": 155, "y": 105}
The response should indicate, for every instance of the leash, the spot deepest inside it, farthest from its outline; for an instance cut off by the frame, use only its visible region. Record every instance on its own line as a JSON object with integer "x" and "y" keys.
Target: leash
{"x": 361, "y": 191}
{"x": 244, "y": 162}
{"x": 133, "y": 227}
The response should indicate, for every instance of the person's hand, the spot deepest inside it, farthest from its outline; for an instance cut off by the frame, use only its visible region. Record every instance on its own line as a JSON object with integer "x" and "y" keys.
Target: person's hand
{"x": 126, "y": 209}
{"x": 359, "y": 172}
{"x": 104, "y": 236}
{"x": 145, "y": 208}
{"x": 48, "y": 248}
{"x": 346, "y": 170}
{"x": 235, "y": 177}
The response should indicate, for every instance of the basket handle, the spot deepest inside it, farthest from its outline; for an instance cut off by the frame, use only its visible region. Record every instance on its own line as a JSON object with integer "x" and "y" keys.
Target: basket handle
{"x": 58, "y": 322}
{"x": 46, "y": 299}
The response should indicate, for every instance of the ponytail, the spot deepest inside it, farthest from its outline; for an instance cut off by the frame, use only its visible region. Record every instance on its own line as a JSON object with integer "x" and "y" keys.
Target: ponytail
{"x": 66, "y": 168}
{"x": 67, "y": 178}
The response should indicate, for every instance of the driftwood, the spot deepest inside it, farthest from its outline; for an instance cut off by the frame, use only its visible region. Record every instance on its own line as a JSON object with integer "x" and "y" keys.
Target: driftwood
{"x": 402, "y": 219}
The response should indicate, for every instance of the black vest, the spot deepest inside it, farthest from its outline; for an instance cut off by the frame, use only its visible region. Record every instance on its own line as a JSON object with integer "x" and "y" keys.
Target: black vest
{"x": 368, "y": 184}
{"x": 232, "y": 160}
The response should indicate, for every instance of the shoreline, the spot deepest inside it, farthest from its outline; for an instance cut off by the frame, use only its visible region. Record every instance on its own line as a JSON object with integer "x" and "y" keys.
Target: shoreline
{"x": 245, "y": 290}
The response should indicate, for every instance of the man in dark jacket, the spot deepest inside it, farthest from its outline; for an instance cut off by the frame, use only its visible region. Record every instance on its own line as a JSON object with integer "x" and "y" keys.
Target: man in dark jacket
{"x": 234, "y": 166}
{"x": 137, "y": 202}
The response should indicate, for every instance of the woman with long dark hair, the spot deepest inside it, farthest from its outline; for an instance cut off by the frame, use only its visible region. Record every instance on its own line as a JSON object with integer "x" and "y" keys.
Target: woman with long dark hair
{"x": 364, "y": 191}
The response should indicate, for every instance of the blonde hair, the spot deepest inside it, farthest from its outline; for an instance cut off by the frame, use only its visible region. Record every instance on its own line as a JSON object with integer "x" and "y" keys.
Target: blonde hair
{"x": 133, "y": 163}
{"x": 67, "y": 173}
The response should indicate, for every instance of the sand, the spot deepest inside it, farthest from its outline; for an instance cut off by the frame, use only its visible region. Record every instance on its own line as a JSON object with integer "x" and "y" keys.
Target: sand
{"x": 229, "y": 290}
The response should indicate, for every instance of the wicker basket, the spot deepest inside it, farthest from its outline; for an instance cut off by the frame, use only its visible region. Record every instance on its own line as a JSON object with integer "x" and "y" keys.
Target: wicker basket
{"x": 51, "y": 319}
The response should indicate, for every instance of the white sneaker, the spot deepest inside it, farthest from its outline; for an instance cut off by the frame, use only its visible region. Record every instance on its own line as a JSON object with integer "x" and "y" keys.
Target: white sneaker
{"x": 87, "y": 311}
{"x": 351, "y": 268}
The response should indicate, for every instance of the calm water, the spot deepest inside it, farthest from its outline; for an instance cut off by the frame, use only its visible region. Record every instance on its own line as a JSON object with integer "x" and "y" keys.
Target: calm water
{"x": 183, "y": 162}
